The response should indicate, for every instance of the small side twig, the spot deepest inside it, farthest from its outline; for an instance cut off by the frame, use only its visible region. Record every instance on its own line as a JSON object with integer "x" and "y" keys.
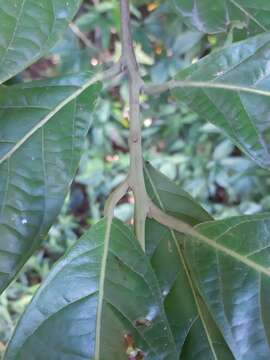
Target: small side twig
{"x": 84, "y": 39}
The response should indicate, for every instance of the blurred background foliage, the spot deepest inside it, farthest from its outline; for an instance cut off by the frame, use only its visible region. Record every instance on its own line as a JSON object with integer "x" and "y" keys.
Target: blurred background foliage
{"x": 184, "y": 147}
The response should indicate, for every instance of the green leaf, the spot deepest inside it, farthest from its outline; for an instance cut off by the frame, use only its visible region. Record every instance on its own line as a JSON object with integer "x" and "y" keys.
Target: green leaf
{"x": 101, "y": 290}
{"x": 176, "y": 202}
{"x": 237, "y": 289}
{"x": 28, "y": 29}
{"x": 195, "y": 333}
{"x": 42, "y": 131}
{"x": 218, "y": 16}
{"x": 231, "y": 89}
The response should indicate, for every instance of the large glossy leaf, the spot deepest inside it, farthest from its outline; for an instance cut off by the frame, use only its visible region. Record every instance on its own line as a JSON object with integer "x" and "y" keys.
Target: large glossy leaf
{"x": 195, "y": 333}
{"x": 217, "y": 16}
{"x": 237, "y": 289}
{"x": 42, "y": 132}
{"x": 100, "y": 291}
{"x": 231, "y": 89}
{"x": 28, "y": 29}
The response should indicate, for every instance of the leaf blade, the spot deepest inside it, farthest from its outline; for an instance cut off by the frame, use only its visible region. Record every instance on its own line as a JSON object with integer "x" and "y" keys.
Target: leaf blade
{"x": 242, "y": 115}
{"x": 35, "y": 178}
{"x": 29, "y": 29}
{"x": 238, "y": 309}
{"x": 166, "y": 251}
{"x": 217, "y": 18}
{"x": 66, "y": 293}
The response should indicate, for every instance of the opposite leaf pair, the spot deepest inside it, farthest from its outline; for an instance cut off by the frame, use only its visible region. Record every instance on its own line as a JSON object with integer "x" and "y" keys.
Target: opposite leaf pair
{"x": 172, "y": 300}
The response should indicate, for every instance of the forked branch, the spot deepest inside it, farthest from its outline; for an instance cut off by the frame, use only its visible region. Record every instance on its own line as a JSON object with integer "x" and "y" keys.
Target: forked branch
{"x": 135, "y": 181}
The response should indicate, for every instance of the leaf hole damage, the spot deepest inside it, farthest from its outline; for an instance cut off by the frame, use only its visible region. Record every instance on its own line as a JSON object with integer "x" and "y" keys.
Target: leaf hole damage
{"x": 143, "y": 322}
{"x": 132, "y": 351}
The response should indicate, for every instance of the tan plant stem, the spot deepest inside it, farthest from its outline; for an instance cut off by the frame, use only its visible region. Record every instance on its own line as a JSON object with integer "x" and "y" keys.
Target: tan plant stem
{"x": 136, "y": 176}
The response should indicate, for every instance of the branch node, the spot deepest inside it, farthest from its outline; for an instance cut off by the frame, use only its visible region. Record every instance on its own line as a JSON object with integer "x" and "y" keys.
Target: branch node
{"x": 135, "y": 138}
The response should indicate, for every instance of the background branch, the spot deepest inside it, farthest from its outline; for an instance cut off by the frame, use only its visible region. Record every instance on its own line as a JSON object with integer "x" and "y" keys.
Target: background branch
{"x": 87, "y": 42}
